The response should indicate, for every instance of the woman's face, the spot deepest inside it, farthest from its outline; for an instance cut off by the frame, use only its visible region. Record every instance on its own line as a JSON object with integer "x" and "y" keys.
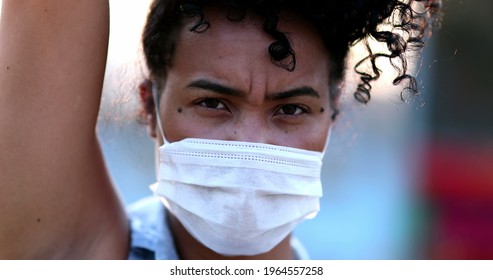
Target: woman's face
{"x": 223, "y": 85}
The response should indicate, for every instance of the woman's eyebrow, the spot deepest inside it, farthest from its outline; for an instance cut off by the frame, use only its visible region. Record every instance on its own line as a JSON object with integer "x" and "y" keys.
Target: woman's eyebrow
{"x": 215, "y": 87}
{"x": 300, "y": 91}
{"x": 226, "y": 90}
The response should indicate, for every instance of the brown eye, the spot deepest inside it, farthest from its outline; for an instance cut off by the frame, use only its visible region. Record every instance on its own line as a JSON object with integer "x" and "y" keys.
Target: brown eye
{"x": 212, "y": 103}
{"x": 291, "y": 109}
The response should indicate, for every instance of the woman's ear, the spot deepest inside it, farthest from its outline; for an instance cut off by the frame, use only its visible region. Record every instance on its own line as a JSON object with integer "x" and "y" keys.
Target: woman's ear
{"x": 148, "y": 112}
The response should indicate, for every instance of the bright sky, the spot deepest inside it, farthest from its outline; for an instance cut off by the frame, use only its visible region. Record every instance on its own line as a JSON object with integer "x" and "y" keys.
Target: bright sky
{"x": 124, "y": 69}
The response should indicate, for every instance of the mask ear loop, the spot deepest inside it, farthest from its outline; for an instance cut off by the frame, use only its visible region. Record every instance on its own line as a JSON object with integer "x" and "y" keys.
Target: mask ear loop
{"x": 156, "y": 108}
{"x": 327, "y": 141}
{"x": 335, "y": 113}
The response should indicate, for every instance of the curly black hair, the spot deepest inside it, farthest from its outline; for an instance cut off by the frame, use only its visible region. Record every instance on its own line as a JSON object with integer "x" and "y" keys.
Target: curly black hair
{"x": 341, "y": 24}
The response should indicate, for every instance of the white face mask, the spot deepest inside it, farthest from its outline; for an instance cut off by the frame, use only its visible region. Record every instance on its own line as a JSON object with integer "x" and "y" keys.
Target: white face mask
{"x": 238, "y": 198}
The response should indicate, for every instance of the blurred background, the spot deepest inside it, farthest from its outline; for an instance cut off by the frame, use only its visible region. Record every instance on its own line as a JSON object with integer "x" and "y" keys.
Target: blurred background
{"x": 401, "y": 180}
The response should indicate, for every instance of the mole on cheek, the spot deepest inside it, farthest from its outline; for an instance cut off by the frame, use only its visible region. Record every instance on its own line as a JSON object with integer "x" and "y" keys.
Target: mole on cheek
{"x": 322, "y": 109}
{"x": 180, "y": 110}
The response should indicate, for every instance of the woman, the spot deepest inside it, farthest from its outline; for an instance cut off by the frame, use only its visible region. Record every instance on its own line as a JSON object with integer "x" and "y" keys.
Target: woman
{"x": 257, "y": 79}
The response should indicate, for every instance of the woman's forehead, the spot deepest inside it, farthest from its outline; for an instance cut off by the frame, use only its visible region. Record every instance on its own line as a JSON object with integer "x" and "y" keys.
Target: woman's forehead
{"x": 243, "y": 46}
{"x": 237, "y": 53}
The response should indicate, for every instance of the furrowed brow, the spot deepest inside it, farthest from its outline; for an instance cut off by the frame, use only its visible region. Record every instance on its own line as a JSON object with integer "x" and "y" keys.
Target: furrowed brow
{"x": 214, "y": 87}
{"x": 301, "y": 91}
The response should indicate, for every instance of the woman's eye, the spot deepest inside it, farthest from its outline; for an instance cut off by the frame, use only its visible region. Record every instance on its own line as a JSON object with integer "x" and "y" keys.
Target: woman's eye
{"x": 291, "y": 109}
{"x": 212, "y": 103}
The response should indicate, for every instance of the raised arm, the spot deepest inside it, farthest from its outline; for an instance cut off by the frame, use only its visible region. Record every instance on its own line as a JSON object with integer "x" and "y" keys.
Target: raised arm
{"x": 56, "y": 200}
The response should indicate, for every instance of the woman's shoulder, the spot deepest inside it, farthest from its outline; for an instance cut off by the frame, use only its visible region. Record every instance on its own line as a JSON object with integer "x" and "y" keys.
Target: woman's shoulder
{"x": 150, "y": 235}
